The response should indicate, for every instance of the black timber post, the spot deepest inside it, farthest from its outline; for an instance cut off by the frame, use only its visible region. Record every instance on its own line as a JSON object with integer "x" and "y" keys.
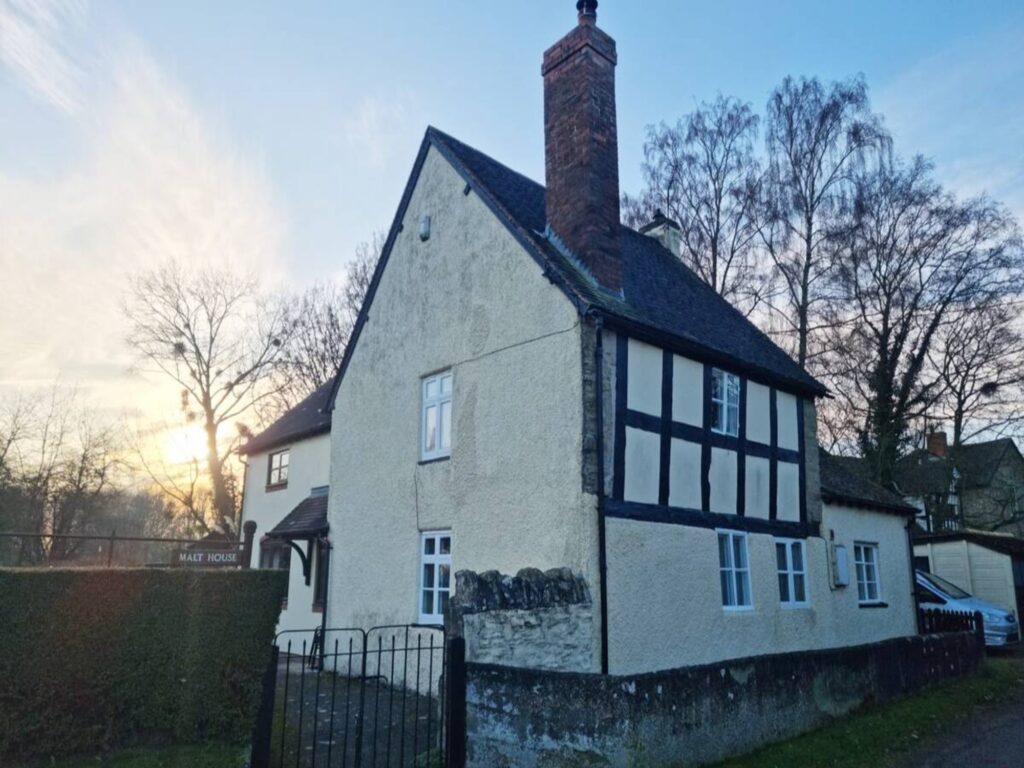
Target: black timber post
{"x": 248, "y": 536}
{"x": 261, "y": 737}
{"x": 455, "y": 731}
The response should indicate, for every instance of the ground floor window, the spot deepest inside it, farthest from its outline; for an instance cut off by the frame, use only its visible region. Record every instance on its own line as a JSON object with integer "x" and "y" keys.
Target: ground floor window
{"x": 734, "y": 570}
{"x": 792, "y": 568}
{"x": 277, "y": 555}
{"x": 435, "y": 576}
{"x": 865, "y": 560}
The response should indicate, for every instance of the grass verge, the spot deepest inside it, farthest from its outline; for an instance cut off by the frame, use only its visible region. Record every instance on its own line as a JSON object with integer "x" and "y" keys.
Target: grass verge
{"x": 881, "y": 735}
{"x": 201, "y": 756}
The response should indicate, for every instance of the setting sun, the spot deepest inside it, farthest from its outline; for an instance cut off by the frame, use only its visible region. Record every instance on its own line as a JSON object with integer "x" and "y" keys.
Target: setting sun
{"x": 184, "y": 444}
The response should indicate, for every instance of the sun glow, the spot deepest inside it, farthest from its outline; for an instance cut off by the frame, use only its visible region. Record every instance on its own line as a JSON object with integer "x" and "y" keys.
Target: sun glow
{"x": 183, "y": 445}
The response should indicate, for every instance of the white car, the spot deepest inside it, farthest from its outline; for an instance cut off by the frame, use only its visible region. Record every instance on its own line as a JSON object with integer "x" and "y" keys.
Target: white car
{"x": 936, "y": 594}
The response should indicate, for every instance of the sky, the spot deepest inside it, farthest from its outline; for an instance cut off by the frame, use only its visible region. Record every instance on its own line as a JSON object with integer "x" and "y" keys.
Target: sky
{"x": 275, "y": 137}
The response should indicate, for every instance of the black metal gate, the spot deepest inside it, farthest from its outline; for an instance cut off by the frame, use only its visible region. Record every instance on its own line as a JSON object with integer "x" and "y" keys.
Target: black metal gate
{"x": 339, "y": 698}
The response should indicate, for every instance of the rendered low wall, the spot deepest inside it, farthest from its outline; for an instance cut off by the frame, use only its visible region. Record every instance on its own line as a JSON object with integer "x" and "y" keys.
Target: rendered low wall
{"x": 693, "y": 715}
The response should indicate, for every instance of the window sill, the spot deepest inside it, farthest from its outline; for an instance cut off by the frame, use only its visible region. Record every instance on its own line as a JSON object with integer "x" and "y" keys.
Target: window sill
{"x": 873, "y": 605}
{"x": 276, "y": 487}
{"x": 737, "y": 608}
{"x": 433, "y": 460}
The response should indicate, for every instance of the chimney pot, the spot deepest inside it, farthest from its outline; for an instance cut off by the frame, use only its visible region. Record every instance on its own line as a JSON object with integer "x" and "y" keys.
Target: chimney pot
{"x": 937, "y": 444}
{"x": 665, "y": 231}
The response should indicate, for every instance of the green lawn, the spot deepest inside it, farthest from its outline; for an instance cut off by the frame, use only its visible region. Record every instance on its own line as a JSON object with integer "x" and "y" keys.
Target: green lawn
{"x": 204, "y": 756}
{"x": 879, "y": 736}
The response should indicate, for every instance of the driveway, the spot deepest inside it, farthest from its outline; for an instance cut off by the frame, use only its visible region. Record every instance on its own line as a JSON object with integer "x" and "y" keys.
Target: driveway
{"x": 993, "y": 738}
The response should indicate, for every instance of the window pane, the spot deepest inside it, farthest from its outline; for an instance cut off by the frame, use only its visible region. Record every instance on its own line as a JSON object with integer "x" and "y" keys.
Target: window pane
{"x": 780, "y": 557}
{"x": 733, "y": 425}
{"x": 284, "y": 459}
{"x": 727, "y": 594}
{"x": 798, "y": 556}
{"x": 446, "y": 425}
{"x": 432, "y": 389}
{"x": 739, "y": 546}
{"x": 428, "y": 602}
{"x": 716, "y": 385}
{"x": 716, "y": 417}
{"x": 784, "y": 587}
{"x": 446, "y": 384}
{"x": 872, "y": 591}
{"x": 428, "y": 576}
{"x": 442, "y": 598}
{"x": 443, "y": 576}
{"x": 428, "y": 545}
{"x": 742, "y": 588}
{"x": 430, "y": 437}
{"x": 724, "y": 556}
{"x": 733, "y": 389}
{"x": 799, "y": 592}
{"x": 446, "y": 545}
{"x": 869, "y": 554}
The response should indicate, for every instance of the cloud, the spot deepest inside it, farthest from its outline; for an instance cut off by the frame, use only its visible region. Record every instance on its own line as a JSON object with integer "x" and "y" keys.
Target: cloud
{"x": 376, "y": 126}
{"x": 35, "y": 37}
{"x": 154, "y": 180}
{"x": 964, "y": 108}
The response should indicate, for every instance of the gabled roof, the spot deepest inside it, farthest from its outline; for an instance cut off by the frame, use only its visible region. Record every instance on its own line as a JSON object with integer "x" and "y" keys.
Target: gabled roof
{"x": 921, "y": 472}
{"x": 309, "y": 418}
{"x": 1000, "y": 542}
{"x": 662, "y": 300}
{"x": 841, "y": 483}
{"x": 309, "y": 518}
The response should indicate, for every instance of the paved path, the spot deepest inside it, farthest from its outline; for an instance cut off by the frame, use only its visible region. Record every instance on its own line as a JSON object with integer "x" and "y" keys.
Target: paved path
{"x": 992, "y": 739}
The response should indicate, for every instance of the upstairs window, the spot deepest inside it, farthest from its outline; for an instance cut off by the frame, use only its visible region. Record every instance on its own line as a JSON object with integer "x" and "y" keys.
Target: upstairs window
{"x": 436, "y": 426}
{"x": 865, "y": 560}
{"x": 277, "y": 469}
{"x": 725, "y": 403}
{"x": 734, "y": 570}
{"x": 789, "y": 556}
{"x": 435, "y": 576}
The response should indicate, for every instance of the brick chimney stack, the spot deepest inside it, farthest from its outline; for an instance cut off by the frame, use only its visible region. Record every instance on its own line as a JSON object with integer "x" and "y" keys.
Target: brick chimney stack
{"x": 581, "y": 146}
{"x": 937, "y": 444}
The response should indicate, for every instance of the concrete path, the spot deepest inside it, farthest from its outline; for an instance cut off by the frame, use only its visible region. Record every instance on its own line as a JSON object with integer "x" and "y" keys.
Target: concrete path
{"x": 992, "y": 739}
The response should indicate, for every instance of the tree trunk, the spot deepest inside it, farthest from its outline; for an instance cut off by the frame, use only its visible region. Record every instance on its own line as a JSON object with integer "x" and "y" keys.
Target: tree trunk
{"x": 222, "y": 502}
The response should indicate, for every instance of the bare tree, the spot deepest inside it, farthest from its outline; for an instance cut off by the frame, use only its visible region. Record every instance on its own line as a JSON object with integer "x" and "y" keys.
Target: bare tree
{"x": 702, "y": 173}
{"x": 322, "y": 319}
{"x": 213, "y": 334}
{"x": 817, "y": 140}
{"x": 980, "y": 365}
{"x": 912, "y": 262}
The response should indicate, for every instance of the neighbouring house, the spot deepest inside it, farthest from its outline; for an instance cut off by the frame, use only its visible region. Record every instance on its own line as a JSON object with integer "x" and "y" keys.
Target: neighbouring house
{"x": 531, "y": 384}
{"x": 287, "y": 476}
{"x": 988, "y": 565}
{"x": 974, "y": 485}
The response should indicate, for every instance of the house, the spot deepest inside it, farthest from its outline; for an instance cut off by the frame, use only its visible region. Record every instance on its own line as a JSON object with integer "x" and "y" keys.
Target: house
{"x": 287, "y": 475}
{"x": 986, "y": 564}
{"x": 532, "y": 384}
{"x": 975, "y": 485}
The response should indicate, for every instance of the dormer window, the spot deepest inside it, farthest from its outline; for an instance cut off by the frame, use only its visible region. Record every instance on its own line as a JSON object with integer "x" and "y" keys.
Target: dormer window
{"x": 436, "y": 421}
{"x": 725, "y": 403}
{"x": 277, "y": 469}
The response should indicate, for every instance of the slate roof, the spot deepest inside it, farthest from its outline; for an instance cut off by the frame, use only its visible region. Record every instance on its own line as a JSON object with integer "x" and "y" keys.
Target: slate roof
{"x": 308, "y": 418}
{"x": 842, "y": 483}
{"x": 662, "y": 300}
{"x": 309, "y": 518}
{"x": 1000, "y": 542}
{"x": 921, "y": 472}
{"x": 659, "y": 292}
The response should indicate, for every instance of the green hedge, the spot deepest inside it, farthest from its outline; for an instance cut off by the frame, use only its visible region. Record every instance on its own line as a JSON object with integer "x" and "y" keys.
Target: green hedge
{"x": 92, "y": 659}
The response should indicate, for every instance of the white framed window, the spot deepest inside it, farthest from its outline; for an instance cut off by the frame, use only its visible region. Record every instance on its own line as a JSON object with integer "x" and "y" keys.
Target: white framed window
{"x": 725, "y": 402}
{"x": 277, "y": 469}
{"x": 734, "y": 570}
{"x": 436, "y": 420}
{"x": 865, "y": 561}
{"x": 790, "y": 557}
{"x": 435, "y": 576}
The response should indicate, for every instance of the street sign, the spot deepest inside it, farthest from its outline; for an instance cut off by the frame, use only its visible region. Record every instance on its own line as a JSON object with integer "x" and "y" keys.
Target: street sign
{"x": 207, "y": 558}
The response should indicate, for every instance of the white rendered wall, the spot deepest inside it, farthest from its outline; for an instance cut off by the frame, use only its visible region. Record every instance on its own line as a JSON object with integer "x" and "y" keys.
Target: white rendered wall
{"x": 470, "y": 299}
{"x": 308, "y": 467}
{"x": 665, "y": 607}
{"x": 979, "y": 570}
